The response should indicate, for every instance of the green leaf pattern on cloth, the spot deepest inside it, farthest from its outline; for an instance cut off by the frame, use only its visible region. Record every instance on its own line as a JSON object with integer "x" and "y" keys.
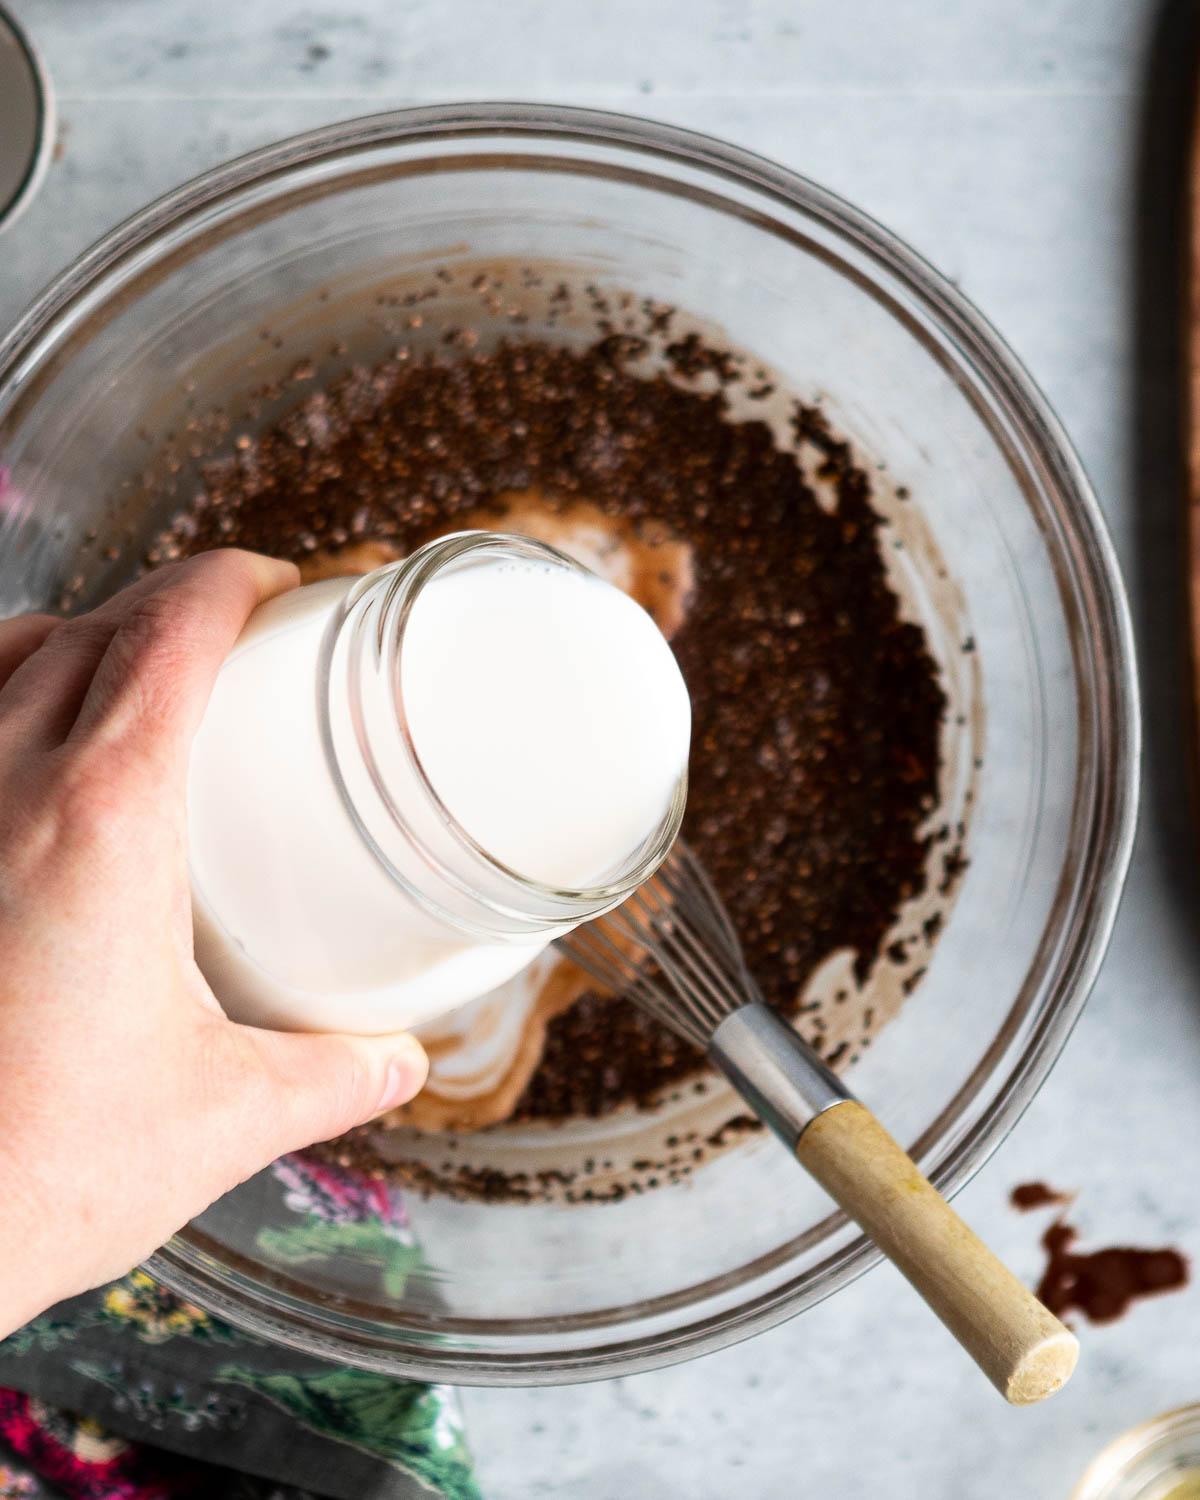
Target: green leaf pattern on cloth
{"x": 159, "y": 1370}
{"x": 157, "y": 1410}
{"x": 403, "y": 1422}
{"x": 346, "y": 1214}
{"x": 363, "y": 1242}
{"x": 136, "y": 1302}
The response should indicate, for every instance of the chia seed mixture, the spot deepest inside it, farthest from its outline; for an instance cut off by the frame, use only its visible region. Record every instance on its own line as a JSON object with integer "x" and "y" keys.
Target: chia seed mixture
{"x": 816, "y": 706}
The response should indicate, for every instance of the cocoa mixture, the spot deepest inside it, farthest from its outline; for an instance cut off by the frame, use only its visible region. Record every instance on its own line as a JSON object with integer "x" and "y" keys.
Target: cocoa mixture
{"x": 816, "y": 707}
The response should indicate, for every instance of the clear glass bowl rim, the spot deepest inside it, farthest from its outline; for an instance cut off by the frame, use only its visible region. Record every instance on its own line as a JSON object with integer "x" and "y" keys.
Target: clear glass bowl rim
{"x": 1106, "y": 807}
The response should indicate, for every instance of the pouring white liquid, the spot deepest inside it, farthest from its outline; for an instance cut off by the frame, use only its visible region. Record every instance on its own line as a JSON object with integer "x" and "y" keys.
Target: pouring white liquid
{"x": 551, "y": 722}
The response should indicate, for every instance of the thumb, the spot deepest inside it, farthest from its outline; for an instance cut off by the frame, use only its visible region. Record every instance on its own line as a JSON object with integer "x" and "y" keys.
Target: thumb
{"x": 318, "y": 1085}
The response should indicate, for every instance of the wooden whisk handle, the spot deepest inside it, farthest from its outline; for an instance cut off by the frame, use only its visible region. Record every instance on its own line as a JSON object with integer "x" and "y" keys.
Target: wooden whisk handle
{"x": 1023, "y": 1349}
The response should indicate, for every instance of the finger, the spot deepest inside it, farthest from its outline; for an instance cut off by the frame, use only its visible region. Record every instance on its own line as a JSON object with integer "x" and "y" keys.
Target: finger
{"x": 307, "y": 1087}
{"x": 43, "y": 695}
{"x": 150, "y": 688}
{"x": 20, "y": 637}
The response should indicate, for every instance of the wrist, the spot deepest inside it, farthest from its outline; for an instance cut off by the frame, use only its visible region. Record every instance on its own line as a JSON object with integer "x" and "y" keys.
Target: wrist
{"x": 30, "y": 1279}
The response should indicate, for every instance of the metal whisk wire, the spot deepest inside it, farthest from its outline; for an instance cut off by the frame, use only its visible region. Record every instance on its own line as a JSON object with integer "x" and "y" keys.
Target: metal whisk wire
{"x": 680, "y": 960}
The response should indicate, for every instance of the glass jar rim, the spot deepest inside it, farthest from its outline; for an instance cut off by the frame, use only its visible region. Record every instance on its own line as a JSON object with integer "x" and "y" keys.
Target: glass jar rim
{"x": 1105, "y": 1476}
{"x": 402, "y": 583}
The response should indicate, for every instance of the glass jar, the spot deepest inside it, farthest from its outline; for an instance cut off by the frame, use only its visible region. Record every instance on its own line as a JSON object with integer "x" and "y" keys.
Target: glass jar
{"x": 1157, "y": 1460}
{"x": 332, "y": 886}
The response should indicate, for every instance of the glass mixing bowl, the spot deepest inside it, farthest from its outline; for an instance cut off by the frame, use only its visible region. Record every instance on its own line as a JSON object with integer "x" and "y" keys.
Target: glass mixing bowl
{"x": 167, "y": 337}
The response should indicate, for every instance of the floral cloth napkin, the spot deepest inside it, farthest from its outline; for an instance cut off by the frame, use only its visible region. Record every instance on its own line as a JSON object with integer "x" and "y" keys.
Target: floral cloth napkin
{"x": 129, "y": 1393}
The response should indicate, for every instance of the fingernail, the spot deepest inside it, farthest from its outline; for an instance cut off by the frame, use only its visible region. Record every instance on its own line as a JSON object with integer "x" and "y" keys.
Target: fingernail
{"x": 403, "y": 1077}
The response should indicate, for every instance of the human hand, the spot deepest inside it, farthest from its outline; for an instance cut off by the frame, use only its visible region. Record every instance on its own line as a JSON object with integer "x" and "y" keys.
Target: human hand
{"x": 129, "y": 1101}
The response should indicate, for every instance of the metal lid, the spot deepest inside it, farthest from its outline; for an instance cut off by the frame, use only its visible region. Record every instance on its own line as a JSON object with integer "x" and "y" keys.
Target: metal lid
{"x": 26, "y": 120}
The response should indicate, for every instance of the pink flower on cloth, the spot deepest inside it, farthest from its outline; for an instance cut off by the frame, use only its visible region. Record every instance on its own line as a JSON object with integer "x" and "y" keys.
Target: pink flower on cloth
{"x": 347, "y": 1216}
{"x": 84, "y": 1460}
{"x": 15, "y": 1486}
{"x": 340, "y": 1196}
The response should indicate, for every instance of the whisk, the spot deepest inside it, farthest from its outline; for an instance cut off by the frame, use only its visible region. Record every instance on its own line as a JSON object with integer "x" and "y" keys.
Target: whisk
{"x": 672, "y": 949}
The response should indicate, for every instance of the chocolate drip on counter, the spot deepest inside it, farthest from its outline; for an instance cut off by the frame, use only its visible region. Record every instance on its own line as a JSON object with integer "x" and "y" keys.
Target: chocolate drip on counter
{"x": 1105, "y": 1283}
{"x": 1031, "y": 1195}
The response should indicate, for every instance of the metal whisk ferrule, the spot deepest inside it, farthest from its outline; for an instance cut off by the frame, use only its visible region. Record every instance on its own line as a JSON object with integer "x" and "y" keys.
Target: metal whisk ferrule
{"x": 673, "y": 950}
